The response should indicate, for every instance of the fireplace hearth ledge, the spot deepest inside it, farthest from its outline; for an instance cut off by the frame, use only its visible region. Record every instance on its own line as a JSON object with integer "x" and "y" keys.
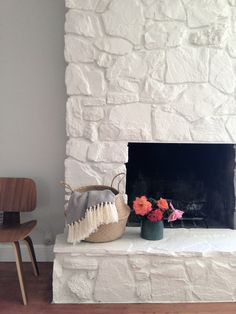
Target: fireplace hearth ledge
{"x": 188, "y": 265}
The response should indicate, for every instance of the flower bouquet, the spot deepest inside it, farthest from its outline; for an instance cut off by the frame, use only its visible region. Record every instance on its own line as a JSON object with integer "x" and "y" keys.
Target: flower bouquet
{"x": 152, "y": 213}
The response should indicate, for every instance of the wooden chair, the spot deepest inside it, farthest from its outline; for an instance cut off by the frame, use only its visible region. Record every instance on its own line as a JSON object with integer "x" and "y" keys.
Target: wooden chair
{"x": 18, "y": 195}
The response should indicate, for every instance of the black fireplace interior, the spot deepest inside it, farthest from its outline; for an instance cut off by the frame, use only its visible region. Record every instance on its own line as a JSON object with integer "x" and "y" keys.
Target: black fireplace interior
{"x": 197, "y": 178}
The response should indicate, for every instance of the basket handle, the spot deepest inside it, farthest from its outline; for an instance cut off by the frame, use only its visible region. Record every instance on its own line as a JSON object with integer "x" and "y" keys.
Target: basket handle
{"x": 119, "y": 182}
{"x": 67, "y": 186}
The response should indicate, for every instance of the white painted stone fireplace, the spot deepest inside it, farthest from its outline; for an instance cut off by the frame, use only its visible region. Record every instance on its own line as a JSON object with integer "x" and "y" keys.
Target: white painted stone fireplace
{"x": 155, "y": 71}
{"x": 188, "y": 265}
{"x": 146, "y": 71}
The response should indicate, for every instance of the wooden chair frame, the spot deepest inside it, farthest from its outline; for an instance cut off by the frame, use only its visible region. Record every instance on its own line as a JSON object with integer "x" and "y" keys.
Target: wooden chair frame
{"x": 18, "y": 195}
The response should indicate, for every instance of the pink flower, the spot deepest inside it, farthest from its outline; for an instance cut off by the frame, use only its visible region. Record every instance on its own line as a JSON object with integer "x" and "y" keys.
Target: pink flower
{"x": 176, "y": 214}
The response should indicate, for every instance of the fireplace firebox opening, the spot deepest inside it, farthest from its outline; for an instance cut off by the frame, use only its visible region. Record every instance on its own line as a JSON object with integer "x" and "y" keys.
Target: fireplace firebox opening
{"x": 197, "y": 178}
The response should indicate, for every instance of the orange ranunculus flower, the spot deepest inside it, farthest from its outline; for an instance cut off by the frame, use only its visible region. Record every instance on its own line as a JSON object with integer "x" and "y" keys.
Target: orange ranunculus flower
{"x": 142, "y": 206}
{"x": 162, "y": 204}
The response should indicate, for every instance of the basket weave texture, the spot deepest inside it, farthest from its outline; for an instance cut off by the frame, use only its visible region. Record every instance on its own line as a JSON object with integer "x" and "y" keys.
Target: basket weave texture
{"x": 112, "y": 231}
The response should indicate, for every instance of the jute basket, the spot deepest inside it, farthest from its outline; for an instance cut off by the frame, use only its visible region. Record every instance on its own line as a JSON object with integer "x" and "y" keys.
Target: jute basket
{"x": 111, "y": 231}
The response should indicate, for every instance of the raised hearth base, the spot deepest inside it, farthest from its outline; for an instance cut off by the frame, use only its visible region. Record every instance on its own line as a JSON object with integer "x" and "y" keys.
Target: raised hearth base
{"x": 187, "y": 265}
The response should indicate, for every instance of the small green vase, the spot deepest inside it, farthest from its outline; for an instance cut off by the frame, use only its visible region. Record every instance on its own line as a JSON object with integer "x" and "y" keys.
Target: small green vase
{"x": 152, "y": 230}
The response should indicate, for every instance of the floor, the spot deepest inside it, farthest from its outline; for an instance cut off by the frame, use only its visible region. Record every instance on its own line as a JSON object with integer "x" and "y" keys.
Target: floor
{"x": 40, "y": 294}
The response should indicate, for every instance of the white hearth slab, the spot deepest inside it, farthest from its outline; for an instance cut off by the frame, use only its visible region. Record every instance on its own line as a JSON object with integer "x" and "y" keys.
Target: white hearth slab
{"x": 188, "y": 265}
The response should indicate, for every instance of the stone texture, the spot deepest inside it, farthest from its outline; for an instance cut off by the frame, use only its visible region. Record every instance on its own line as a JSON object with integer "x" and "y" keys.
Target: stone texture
{"x": 147, "y": 2}
{"x": 215, "y": 36}
{"x": 76, "y": 81}
{"x": 91, "y": 274}
{"x": 144, "y": 291}
{"x": 123, "y": 287}
{"x": 163, "y": 290}
{"x": 109, "y": 171}
{"x": 102, "y": 5}
{"x": 105, "y": 168}
{"x": 121, "y": 85}
{"x": 121, "y": 98}
{"x": 199, "y": 101}
{"x": 93, "y": 114}
{"x": 221, "y": 72}
{"x": 78, "y": 49}
{"x": 81, "y": 4}
{"x": 80, "y": 262}
{"x": 114, "y": 45}
{"x": 130, "y": 66}
{"x": 136, "y": 65}
{"x": 187, "y": 65}
{"x": 158, "y": 92}
{"x": 205, "y": 12}
{"x": 92, "y": 101}
{"x": 230, "y": 126}
{"x": 139, "y": 262}
{"x": 105, "y": 60}
{"x": 165, "y": 10}
{"x": 132, "y": 120}
{"x": 170, "y": 268}
{"x": 76, "y": 126}
{"x": 78, "y": 174}
{"x": 82, "y": 23}
{"x": 194, "y": 268}
{"x": 108, "y": 152}
{"x": 141, "y": 71}
{"x": 90, "y": 131}
{"x": 85, "y": 80}
{"x": 77, "y": 148}
{"x": 162, "y": 260}
{"x": 203, "y": 294}
{"x": 81, "y": 287}
{"x": 210, "y": 130}
{"x": 222, "y": 279}
{"x": 141, "y": 276}
{"x": 74, "y": 118}
{"x": 170, "y": 127}
{"x": 176, "y": 271}
{"x": 155, "y": 61}
{"x": 109, "y": 131}
{"x": 124, "y": 19}
{"x": 157, "y": 87}
{"x": 227, "y": 108}
{"x": 232, "y": 46}
{"x": 233, "y": 20}
{"x": 164, "y": 34}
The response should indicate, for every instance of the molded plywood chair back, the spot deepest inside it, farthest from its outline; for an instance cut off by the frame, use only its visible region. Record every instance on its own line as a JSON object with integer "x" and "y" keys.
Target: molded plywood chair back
{"x": 18, "y": 195}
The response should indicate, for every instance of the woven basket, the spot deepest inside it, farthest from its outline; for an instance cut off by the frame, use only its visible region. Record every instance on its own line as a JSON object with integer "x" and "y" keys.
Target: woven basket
{"x": 112, "y": 231}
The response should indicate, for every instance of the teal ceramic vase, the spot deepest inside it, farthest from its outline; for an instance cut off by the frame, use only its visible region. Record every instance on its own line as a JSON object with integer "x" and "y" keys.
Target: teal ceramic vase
{"x": 152, "y": 230}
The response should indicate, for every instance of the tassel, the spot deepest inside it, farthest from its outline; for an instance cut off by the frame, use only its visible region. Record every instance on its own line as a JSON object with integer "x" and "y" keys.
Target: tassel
{"x": 95, "y": 216}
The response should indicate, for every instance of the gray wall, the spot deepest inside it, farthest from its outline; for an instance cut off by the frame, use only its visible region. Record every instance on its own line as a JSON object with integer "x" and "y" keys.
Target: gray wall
{"x": 32, "y": 103}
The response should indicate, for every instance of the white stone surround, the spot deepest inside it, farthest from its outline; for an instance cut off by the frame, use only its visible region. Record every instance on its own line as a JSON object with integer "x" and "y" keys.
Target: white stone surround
{"x": 160, "y": 71}
{"x": 146, "y": 71}
{"x": 188, "y": 265}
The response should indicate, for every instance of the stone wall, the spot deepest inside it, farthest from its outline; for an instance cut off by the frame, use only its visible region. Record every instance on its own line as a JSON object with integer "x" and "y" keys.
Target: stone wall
{"x": 146, "y": 71}
{"x": 188, "y": 265}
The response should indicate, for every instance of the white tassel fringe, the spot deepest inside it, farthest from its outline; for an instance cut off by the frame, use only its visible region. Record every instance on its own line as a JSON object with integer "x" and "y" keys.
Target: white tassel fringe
{"x": 95, "y": 216}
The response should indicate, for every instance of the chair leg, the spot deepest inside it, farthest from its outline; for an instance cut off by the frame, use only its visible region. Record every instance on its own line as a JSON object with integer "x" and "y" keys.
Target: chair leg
{"x": 30, "y": 247}
{"x": 17, "y": 252}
